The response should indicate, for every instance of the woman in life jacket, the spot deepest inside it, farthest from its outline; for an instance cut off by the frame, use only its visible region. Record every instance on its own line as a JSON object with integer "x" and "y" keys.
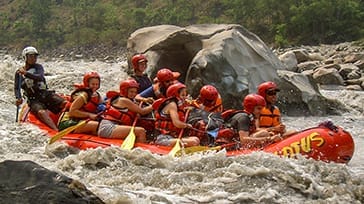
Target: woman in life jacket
{"x": 139, "y": 63}
{"x": 243, "y": 122}
{"x": 165, "y": 78}
{"x": 84, "y": 103}
{"x": 270, "y": 116}
{"x": 170, "y": 117}
{"x": 121, "y": 111}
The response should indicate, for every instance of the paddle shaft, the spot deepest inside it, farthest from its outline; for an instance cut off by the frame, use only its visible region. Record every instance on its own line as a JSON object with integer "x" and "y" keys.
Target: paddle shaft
{"x": 18, "y": 106}
{"x": 129, "y": 141}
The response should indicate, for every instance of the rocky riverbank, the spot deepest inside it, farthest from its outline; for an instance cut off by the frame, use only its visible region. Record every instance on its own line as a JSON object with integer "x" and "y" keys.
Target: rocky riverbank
{"x": 340, "y": 65}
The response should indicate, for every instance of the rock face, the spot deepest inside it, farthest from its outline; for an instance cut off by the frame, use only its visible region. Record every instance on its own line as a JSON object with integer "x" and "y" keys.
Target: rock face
{"x": 27, "y": 182}
{"x": 229, "y": 57}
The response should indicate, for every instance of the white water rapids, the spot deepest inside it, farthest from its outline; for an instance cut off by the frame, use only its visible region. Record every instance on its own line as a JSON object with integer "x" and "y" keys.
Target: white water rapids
{"x": 137, "y": 176}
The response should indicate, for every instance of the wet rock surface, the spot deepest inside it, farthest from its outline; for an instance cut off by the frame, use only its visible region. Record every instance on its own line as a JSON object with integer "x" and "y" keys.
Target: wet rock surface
{"x": 28, "y": 182}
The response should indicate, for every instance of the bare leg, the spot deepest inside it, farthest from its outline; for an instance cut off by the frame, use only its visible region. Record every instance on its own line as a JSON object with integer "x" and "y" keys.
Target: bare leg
{"x": 44, "y": 117}
{"x": 191, "y": 141}
{"x": 89, "y": 128}
{"x": 122, "y": 131}
{"x": 187, "y": 141}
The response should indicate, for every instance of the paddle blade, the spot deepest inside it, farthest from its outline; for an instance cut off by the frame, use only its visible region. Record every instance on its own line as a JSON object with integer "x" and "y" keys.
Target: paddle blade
{"x": 194, "y": 149}
{"x": 66, "y": 131}
{"x": 129, "y": 141}
{"x": 175, "y": 149}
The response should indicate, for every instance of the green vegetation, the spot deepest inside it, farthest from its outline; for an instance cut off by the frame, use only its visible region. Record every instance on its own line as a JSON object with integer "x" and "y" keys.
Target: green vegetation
{"x": 73, "y": 23}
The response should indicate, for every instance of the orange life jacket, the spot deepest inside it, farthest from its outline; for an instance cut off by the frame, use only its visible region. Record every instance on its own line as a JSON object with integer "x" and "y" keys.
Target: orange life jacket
{"x": 270, "y": 118}
{"x": 92, "y": 100}
{"x": 122, "y": 116}
{"x": 164, "y": 124}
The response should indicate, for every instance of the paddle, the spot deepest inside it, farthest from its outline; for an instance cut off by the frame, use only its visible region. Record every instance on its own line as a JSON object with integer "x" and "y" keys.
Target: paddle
{"x": 177, "y": 146}
{"x": 129, "y": 141}
{"x": 66, "y": 131}
{"x": 194, "y": 149}
{"x": 18, "y": 105}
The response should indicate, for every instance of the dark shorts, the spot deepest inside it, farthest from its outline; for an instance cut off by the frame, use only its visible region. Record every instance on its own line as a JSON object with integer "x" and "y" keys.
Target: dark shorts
{"x": 67, "y": 123}
{"x": 48, "y": 100}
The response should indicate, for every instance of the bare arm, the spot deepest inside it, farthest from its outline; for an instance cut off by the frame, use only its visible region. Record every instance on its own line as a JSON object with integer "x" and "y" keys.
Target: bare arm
{"x": 173, "y": 112}
{"x": 127, "y": 103}
{"x": 77, "y": 104}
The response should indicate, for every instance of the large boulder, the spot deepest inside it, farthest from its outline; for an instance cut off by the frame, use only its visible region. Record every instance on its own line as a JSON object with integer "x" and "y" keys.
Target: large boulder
{"x": 229, "y": 57}
{"x": 28, "y": 182}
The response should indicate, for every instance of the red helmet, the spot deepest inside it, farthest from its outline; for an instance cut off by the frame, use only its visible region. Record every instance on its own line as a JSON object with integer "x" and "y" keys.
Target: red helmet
{"x": 137, "y": 58}
{"x": 252, "y": 100}
{"x": 173, "y": 90}
{"x": 165, "y": 74}
{"x": 88, "y": 76}
{"x": 208, "y": 93}
{"x": 127, "y": 84}
{"x": 264, "y": 87}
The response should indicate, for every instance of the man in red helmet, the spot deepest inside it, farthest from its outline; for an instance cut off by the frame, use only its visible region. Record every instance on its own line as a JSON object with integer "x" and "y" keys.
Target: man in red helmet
{"x": 165, "y": 78}
{"x": 244, "y": 123}
{"x": 139, "y": 63}
{"x": 270, "y": 116}
{"x": 31, "y": 79}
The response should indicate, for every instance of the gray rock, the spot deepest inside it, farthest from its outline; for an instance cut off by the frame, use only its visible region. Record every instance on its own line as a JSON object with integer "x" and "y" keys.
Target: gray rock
{"x": 301, "y": 96}
{"x": 28, "y": 182}
{"x": 348, "y": 71}
{"x": 327, "y": 76}
{"x": 354, "y": 87}
{"x": 309, "y": 65}
{"x": 289, "y": 59}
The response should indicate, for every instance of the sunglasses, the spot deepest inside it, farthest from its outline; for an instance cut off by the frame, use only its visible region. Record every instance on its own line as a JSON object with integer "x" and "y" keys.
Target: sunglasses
{"x": 271, "y": 93}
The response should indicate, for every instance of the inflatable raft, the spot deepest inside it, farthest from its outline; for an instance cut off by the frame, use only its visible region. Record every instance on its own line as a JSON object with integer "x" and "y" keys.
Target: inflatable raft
{"x": 325, "y": 142}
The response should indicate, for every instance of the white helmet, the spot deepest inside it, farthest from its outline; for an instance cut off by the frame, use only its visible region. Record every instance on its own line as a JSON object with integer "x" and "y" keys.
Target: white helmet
{"x": 29, "y": 50}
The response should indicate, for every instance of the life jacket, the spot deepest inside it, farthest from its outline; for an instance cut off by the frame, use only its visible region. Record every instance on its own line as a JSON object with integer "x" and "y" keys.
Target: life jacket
{"x": 143, "y": 81}
{"x": 92, "y": 100}
{"x": 163, "y": 123}
{"x": 270, "y": 117}
{"x": 121, "y": 116}
{"x": 34, "y": 87}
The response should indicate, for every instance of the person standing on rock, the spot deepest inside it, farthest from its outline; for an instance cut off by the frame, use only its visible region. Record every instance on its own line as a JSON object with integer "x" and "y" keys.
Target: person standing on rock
{"x": 31, "y": 79}
{"x": 139, "y": 63}
{"x": 270, "y": 116}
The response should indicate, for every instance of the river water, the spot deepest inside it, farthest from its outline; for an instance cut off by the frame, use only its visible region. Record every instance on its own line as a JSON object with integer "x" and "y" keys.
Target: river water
{"x": 137, "y": 176}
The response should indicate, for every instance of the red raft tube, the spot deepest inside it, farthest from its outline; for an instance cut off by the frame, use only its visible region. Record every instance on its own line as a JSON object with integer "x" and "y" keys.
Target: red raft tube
{"x": 325, "y": 142}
